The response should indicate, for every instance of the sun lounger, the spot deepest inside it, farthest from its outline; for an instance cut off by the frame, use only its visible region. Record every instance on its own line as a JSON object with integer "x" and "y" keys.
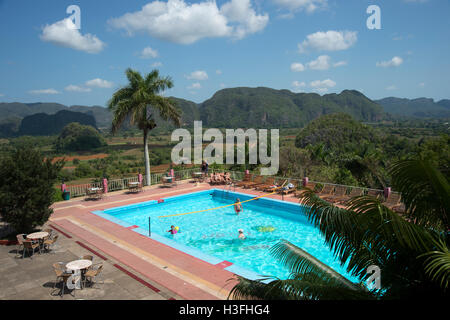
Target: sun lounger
{"x": 326, "y": 191}
{"x": 270, "y": 182}
{"x": 257, "y": 181}
{"x": 392, "y": 201}
{"x": 247, "y": 178}
{"x": 339, "y": 193}
{"x": 288, "y": 190}
{"x": 355, "y": 192}
{"x": 299, "y": 193}
{"x": 375, "y": 193}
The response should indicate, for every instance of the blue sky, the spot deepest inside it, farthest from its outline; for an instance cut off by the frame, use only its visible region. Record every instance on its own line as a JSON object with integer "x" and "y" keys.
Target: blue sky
{"x": 321, "y": 46}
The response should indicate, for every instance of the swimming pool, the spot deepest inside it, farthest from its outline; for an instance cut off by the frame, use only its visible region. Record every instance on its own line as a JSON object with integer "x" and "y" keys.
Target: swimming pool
{"x": 213, "y": 235}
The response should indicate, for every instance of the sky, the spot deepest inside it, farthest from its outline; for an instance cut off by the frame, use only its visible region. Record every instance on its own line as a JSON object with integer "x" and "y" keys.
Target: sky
{"x": 51, "y": 52}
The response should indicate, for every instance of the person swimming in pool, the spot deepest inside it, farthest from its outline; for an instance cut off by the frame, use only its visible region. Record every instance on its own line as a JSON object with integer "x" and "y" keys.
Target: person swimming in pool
{"x": 238, "y": 206}
{"x": 241, "y": 234}
{"x": 173, "y": 229}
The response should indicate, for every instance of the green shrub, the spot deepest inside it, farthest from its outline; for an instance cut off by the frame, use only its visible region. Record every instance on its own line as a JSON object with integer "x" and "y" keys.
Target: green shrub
{"x": 58, "y": 195}
{"x": 27, "y": 188}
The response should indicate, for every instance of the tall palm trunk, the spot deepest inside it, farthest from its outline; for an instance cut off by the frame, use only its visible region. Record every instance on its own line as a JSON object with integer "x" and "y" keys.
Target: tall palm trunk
{"x": 147, "y": 159}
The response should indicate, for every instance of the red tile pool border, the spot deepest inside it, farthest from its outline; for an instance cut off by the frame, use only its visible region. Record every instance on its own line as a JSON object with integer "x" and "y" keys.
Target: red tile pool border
{"x": 62, "y": 232}
{"x": 91, "y": 250}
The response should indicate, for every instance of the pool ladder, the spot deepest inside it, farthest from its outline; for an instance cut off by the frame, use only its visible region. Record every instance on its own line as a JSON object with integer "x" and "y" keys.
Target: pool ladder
{"x": 228, "y": 187}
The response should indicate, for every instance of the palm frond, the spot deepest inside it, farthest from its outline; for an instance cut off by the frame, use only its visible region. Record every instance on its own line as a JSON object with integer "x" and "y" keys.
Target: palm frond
{"x": 437, "y": 264}
{"x": 425, "y": 192}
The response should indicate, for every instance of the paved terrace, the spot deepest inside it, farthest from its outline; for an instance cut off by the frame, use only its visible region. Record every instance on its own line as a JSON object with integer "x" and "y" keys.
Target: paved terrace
{"x": 135, "y": 266}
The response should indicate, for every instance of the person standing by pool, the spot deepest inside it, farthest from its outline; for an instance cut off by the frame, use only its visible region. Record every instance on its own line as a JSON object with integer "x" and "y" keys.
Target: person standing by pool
{"x": 204, "y": 168}
{"x": 238, "y": 206}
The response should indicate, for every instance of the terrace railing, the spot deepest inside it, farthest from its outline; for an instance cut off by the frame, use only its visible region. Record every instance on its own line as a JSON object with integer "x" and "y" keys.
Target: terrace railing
{"x": 121, "y": 184}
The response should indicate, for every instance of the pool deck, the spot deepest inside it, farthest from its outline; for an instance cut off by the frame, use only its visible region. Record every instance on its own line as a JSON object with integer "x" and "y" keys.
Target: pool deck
{"x": 187, "y": 276}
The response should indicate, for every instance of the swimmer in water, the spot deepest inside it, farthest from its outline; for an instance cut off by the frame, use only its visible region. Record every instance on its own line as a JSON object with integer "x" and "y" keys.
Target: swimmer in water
{"x": 238, "y": 206}
{"x": 241, "y": 234}
{"x": 173, "y": 230}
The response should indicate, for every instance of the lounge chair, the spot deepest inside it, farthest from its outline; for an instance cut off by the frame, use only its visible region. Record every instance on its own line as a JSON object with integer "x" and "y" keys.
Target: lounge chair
{"x": 326, "y": 191}
{"x": 375, "y": 193}
{"x": 269, "y": 182}
{"x": 30, "y": 245}
{"x": 95, "y": 272}
{"x": 299, "y": 193}
{"x": 257, "y": 181}
{"x": 286, "y": 190}
{"x": 247, "y": 178}
{"x": 339, "y": 193}
{"x": 48, "y": 243}
{"x": 355, "y": 192}
{"x": 276, "y": 187}
{"x": 392, "y": 201}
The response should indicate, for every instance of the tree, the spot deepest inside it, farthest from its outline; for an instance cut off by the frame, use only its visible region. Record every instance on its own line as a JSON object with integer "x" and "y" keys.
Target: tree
{"x": 78, "y": 137}
{"x": 27, "y": 188}
{"x": 411, "y": 251}
{"x": 140, "y": 102}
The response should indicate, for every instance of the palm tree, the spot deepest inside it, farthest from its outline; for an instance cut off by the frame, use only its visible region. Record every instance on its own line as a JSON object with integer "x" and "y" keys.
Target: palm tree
{"x": 410, "y": 250}
{"x": 139, "y": 101}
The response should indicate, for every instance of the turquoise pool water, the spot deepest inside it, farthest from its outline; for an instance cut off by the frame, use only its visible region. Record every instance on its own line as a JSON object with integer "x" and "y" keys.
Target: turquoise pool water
{"x": 213, "y": 235}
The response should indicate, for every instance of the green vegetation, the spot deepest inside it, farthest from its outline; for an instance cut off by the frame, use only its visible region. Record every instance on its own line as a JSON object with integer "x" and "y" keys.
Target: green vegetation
{"x": 412, "y": 254}
{"x": 78, "y": 137}
{"x": 140, "y": 101}
{"x": 42, "y": 124}
{"x": 26, "y": 188}
{"x": 269, "y": 108}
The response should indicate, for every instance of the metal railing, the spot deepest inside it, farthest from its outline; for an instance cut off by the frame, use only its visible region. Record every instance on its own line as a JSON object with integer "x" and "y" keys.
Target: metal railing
{"x": 121, "y": 184}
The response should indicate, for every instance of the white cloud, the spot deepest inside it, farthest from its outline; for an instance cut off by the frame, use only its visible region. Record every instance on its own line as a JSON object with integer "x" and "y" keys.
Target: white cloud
{"x": 196, "y": 85}
{"x": 321, "y": 90}
{"x": 75, "y": 88}
{"x": 99, "y": 83}
{"x": 340, "y": 64}
{"x": 63, "y": 33}
{"x": 328, "y": 83}
{"x": 307, "y": 5}
{"x": 297, "y": 86}
{"x": 394, "y": 62}
{"x": 198, "y": 75}
{"x": 297, "y": 67}
{"x": 186, "y": 23}
{"x": 329, "y": 41}
{"x": 44, "y": 91}
{"x": 149, "y": 53}
{"x": 157, "y": 64}
{"x": 390, "y": 88}
{"x": 242, "y": 13}
{"x": 321, "y": 63}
